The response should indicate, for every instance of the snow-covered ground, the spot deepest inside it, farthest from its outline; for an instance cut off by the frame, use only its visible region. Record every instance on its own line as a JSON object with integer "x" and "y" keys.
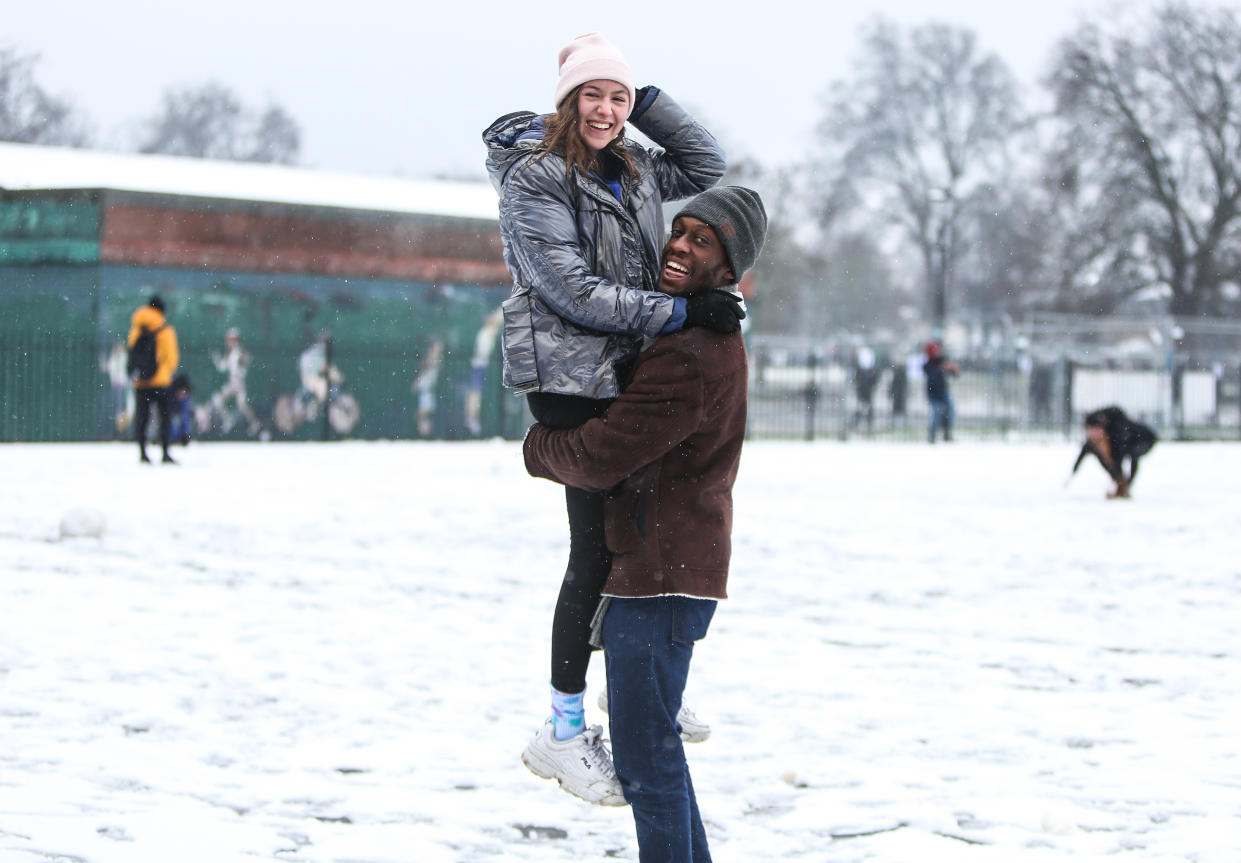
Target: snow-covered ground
{"x": 313, "y": 652}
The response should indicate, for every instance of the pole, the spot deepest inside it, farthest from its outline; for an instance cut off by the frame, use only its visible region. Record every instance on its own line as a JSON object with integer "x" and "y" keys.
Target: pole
{"x": 939, "y": 308}
{"x": 327, "y": 389}
{"x": 812, "y": 394}
{"x": 943, "y": 218}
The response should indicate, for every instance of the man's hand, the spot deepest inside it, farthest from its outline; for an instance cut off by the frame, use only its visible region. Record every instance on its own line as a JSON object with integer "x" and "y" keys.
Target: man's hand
{"x": 715, "y": 309}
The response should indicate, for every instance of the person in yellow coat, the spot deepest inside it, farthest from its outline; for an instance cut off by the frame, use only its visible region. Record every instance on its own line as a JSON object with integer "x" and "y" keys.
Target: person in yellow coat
{"x": 153, "y": 360}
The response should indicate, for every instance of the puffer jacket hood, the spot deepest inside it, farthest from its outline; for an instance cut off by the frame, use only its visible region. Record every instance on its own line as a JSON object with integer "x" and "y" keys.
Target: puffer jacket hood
{"x": 509, "y": 140}
{"x": 584, "y": 262}
{"x": 147, "y": 318}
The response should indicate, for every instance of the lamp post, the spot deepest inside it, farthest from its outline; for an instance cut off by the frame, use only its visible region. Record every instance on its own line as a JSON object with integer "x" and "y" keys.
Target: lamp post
{"x": 327, "y": 388}
{"x": 939, "y": 302}
{"x": 943, "y": 210}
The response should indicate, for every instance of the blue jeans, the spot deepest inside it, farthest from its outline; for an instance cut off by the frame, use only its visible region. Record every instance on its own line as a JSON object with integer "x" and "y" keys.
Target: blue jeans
{"x": 647, "y": 646}
{"x": 941, "y": 415}
{"x": 182, "y": 421}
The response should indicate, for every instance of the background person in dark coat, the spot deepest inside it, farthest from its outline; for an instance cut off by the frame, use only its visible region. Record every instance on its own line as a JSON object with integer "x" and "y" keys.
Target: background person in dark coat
{"x": 1112, "y": 437}
{"x": 182, "y": 410}
{"x": 898, "y": 386}
{"x": 155, "y": 390}
{"x": 667, "y": 452}
{"x": 865, "y": 376}
{"x": 937, "y": 368}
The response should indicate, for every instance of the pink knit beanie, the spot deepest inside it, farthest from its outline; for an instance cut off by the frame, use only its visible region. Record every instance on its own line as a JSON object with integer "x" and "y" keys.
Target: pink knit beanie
{"x": 590, "y": 57}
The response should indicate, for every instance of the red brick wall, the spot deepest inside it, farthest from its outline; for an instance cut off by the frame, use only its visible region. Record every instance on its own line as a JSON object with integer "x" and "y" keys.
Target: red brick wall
{"x": 272, "y": 239}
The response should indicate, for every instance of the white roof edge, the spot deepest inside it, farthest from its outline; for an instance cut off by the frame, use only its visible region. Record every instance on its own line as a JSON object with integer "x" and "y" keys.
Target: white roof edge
{"x": 29, "y": 167}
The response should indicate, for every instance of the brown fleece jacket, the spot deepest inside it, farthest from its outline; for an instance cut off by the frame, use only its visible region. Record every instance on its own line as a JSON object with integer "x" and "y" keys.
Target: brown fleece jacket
{"x": 667, "y": 452}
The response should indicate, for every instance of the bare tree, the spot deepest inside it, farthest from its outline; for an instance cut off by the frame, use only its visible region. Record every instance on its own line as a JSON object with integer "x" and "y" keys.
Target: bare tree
{"x": 1003, "y": 246}
{"x": 28, "y": 113}
{"x": 210, "y": 122}
{"x": 277, "y": 138}
{"x": 915, "y": 135}
{"x": 785, "y": 275}
{"x": 1151, "y": 153}
{"x": 806, "y": 285}
{"x": 862, "y": 295}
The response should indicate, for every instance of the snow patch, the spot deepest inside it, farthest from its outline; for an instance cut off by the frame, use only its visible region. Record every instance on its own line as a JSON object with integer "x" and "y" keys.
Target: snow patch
{"x": 83, "y": 522}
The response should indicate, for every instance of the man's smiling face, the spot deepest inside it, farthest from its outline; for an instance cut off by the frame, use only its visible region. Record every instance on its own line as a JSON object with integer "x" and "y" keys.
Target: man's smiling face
{"x": 694, "y": 259}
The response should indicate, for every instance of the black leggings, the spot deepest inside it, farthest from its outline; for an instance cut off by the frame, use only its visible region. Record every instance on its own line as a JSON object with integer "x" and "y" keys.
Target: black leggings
{"x": 144, "y": 398}
{"x": 589, "y": 559}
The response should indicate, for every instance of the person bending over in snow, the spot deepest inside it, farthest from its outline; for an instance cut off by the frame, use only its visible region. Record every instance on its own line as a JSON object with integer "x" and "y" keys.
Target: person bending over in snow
{"x": 1111, "y": 437}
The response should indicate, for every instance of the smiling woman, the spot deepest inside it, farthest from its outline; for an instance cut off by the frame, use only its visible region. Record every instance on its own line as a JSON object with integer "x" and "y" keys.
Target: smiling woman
{"x": 602, "y": 107}
{"x": 582, "y": 222}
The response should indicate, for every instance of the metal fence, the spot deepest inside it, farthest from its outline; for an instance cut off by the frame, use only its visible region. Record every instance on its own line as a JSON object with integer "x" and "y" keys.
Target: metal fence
{"x": 808, "y": 391}
{"x": 44, "y": 394}
{"x": 57, "y": 389}
{"x": 810, "y": 397}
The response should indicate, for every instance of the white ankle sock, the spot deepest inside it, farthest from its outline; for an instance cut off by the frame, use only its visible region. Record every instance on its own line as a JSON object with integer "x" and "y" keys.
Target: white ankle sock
{"x": 568, "y": 714}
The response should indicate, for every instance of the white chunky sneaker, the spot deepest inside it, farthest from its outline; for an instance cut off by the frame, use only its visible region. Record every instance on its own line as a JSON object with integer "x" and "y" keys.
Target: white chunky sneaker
{"x": 693, "y": 729}
{"x": 582, "y": 764}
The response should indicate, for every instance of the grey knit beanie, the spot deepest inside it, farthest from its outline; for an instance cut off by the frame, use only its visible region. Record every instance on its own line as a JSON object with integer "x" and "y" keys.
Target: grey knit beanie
{"x": 739, "y": 219}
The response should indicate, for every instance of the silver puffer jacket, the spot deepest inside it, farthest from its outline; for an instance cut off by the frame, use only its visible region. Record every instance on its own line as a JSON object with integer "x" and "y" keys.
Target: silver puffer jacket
{"x": 583, "y": 263}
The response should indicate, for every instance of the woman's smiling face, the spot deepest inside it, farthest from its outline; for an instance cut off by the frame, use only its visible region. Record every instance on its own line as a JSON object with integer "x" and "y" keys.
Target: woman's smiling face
{"x": 602, "y": 108}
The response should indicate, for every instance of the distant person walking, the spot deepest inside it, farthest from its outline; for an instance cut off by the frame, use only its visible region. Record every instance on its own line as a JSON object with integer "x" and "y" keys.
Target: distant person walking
{"x": 1041, "y": 386}
{"x": 937, "y": 369}
{"x": 1112, "y": 437}
{"x": 182, "y": 410}
{"x": 898, "y": 387}
{"x": 865, "y": 376}
{"x": 153, "y": 359}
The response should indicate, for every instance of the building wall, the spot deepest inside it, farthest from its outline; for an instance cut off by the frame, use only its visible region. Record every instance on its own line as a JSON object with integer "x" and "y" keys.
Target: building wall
{"x": 47, "y": 362}
{"x": 51, "y": 227}
{"x": 204, "y": 234}
{"x": 409, "y": 304}
{"x": 403, "y": 351}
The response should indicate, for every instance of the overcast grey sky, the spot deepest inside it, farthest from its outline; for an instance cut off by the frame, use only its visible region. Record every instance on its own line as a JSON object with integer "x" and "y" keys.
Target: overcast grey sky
{"x": 384, "y": 87}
